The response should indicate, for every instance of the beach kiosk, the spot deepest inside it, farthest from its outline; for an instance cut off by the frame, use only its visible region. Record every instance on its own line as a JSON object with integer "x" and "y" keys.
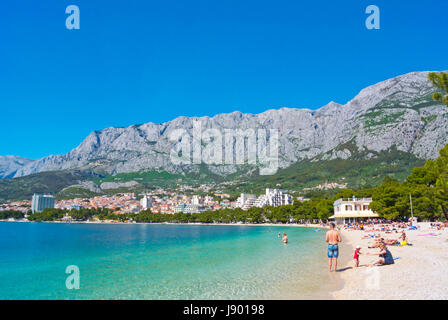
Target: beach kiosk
{"x": 352, "y": 210}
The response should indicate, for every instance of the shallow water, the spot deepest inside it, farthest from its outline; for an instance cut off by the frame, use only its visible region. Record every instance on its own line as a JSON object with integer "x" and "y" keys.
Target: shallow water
{"x": 144, "y": 261}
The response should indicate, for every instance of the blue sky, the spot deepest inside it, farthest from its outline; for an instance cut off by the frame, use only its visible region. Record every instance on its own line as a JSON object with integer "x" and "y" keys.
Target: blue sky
{"x": 138, "y": 61}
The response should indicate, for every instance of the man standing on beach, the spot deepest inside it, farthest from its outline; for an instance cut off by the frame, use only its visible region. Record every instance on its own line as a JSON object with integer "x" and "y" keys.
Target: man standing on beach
{"x": 333, "y": 238}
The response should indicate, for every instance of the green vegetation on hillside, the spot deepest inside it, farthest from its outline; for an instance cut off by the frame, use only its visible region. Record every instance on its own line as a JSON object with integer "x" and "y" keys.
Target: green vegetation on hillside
{"x": 357, "y": 171}
{"x": 75, "y": 192}
{"x": 429, "y": 119}
{"x": 440, "y": 81}
{"x": 380, "y": 117}
{"x": 44, "y": 182}
{"x": 428, "y": 186}
{"x": 164, "y": 179}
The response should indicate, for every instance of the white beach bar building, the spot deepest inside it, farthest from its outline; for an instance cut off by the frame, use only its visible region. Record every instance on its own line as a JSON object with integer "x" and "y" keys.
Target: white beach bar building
{"x": 352, "y": 209}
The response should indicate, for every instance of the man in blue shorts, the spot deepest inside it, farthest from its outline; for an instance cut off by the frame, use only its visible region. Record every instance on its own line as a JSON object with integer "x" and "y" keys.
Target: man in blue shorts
{"x": 333, "y": 238}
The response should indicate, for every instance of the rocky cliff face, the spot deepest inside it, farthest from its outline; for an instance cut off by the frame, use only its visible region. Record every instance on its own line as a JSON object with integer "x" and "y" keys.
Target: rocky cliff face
{"x": 398, "y": 112}
{"x": 10, "y": 164}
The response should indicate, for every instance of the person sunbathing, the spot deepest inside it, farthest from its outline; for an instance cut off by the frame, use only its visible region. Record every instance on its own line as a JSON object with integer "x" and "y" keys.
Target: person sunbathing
{"x": 391, "y": 241}
{"x": 403, "y": 237}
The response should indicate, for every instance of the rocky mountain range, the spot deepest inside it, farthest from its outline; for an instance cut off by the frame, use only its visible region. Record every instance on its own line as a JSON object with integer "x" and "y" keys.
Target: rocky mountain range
{"x": 396, "y": 113}
{"x": 10, "y": 164}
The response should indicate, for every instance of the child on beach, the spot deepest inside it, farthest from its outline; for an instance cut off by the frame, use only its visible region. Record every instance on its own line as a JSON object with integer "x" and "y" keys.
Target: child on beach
{"x": 356, "y": 256}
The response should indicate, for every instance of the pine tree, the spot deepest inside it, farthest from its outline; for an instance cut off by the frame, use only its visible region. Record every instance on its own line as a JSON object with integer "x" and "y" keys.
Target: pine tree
{"x": 440, "y": 80}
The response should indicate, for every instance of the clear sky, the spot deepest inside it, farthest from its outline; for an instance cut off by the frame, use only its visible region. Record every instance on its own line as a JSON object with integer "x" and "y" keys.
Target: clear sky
{"x": 133, "y": 62}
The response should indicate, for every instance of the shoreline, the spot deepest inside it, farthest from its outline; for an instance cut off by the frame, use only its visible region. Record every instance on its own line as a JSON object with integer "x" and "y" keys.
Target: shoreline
{"x": 345, "y": 253}
{"x": 316, "y": 226}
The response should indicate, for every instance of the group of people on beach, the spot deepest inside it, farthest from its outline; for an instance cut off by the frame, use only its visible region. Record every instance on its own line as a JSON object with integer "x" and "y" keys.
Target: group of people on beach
{"x": 372, "y": 229}
{"x": 439, "y": 225}
{"x": 402, "y": 240}
{"x": 379, "y": 225}
{"x": 333, "y": 238}
{"x": 384, "y": 256}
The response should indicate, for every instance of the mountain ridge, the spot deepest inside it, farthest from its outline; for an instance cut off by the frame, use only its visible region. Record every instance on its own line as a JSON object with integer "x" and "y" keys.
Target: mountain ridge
{"x": 396, "y": 112}
{"x": 10, "y": 164}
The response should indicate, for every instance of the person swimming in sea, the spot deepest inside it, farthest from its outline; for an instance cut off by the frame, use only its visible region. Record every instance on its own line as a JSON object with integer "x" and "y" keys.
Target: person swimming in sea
{"x": 285, "y": 238}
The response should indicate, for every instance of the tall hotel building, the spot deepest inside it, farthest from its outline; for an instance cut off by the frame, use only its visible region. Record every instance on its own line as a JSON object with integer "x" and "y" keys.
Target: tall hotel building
{"x": 146, "y": 202}
{"x": 41, "y": 202}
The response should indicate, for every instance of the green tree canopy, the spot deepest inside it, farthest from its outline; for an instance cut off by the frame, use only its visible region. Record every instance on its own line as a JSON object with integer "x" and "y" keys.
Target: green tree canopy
{"x": 440, "y": 80}
{"x": 428, "y": 186}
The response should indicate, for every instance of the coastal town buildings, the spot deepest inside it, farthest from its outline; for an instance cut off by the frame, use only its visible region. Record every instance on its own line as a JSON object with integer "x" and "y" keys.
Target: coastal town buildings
{"x": 22, "y": 206}
{"x": 123, "y": 203}
{"x": 159, "y": 200}
{"x": 327, "y": 186}
{"x": 208, "y": 200}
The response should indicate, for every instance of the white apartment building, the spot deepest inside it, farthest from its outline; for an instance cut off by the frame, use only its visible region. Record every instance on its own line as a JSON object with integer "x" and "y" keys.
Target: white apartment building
{"x": 194, "y": 208}
{"x": 196, "y": 200}
{"x": 249, "y": 203}
{"x": 243, "y": 198}
{"x": 179, "y": 208}
{"x": 189, "y": 208}
{"x": 351, "y": 209}
{"x": 272, "y": 197}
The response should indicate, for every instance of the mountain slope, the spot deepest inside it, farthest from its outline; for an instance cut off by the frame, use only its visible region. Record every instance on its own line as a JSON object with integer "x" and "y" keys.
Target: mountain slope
{"x": 43, "y": 182}
{"x": 10, "y": 164}
{"x": 358, "y": 171}
{"x": 398, "y": 113}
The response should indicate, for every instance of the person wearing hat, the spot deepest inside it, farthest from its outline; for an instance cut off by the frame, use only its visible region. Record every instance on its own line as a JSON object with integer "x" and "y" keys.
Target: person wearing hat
{"x": 356, "y": 256}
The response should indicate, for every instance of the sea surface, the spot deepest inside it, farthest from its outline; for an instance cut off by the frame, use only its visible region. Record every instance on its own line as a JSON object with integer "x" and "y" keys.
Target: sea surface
{"x": 144, "y": 261}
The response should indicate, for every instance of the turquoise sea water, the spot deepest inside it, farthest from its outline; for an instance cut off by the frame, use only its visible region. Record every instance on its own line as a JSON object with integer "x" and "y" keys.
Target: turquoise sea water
{"x": 142, "y": 261}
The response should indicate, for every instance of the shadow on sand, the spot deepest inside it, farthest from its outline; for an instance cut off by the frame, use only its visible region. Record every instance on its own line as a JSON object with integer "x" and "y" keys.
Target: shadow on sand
{"x": 344, "y": 269}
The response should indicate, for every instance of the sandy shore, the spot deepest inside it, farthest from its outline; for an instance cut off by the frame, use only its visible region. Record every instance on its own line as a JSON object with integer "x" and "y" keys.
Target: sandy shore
{"x": 419, "y": 273}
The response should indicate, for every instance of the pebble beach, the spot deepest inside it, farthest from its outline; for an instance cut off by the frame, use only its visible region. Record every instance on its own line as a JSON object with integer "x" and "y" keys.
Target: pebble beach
{"x": 418, "y": 272}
